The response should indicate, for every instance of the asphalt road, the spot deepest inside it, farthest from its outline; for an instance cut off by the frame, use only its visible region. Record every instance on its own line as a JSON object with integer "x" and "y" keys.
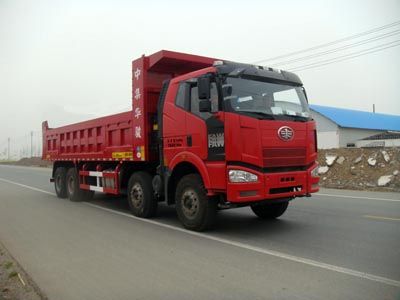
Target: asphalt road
{"x": 335, "y": 245}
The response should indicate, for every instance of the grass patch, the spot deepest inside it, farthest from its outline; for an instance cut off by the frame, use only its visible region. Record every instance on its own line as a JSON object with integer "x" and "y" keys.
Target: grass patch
{"x": 8, "y": 265}
{"x": 12, "y": 274}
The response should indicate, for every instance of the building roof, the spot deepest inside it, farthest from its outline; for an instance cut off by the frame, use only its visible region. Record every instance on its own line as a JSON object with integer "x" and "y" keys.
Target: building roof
{"x": 389, "y": 135}
{"x": 358, "y": 119}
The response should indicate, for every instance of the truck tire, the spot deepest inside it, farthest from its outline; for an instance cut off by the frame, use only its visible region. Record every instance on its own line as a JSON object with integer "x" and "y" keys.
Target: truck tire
{"x": 195, "y": 209}
{"x": 141, "y": 198}
{"x": 74, "y": 192}
{"x": 270, "y": 211}
{"x": 60, "y": 183}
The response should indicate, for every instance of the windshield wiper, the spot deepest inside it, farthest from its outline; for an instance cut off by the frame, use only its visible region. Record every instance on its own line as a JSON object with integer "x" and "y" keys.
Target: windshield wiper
{"x": 297, "y": 118}
{"x": 261, "y": 115}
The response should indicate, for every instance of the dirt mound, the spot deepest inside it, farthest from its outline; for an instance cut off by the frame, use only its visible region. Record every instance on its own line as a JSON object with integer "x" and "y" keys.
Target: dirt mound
{"x": 360, "y": 168}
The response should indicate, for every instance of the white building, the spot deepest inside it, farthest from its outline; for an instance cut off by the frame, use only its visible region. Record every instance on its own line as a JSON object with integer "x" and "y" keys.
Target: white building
{"x": 338, "y": 127}
{"x": 386, "y": 139}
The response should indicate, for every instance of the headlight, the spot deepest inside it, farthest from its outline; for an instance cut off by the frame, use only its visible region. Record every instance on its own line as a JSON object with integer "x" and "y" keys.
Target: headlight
{"x": 242, "y": 176}
{"x": 314, "y": 172}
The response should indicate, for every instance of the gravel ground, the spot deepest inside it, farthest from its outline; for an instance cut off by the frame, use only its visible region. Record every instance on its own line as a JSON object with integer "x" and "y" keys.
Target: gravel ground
{"x": 15, "y": 284}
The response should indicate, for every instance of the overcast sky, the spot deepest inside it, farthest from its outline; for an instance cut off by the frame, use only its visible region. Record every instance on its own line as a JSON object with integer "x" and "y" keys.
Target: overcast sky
{"x": 65, "y": 61}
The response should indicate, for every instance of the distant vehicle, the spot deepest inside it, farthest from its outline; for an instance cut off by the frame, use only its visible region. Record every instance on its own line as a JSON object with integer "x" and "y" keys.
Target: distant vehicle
{"x": 203, "y": 134}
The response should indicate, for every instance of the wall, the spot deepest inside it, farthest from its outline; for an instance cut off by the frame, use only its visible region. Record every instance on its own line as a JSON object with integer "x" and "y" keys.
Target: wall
{"x": 328, "y": 139}
{"x": 327, "y": 132}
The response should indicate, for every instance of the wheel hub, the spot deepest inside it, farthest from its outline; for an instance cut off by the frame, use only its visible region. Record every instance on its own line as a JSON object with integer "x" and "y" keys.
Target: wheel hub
{"x": 190, "y": 203}
{"x": 137, "y": 195}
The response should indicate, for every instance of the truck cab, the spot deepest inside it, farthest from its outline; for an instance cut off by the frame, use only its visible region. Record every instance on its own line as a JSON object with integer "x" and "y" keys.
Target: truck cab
{"x": 246, "y": 130}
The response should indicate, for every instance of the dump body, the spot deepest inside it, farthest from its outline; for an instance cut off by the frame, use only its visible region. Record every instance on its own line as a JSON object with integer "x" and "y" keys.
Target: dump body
{"x": 125, "y": 136}
{"x": 103, "y": 138}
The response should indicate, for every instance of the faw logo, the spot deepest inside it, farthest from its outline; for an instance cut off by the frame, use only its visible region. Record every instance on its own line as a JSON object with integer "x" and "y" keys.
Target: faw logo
{"x": 216, "y": 140}
{"x": 285, "y": 133}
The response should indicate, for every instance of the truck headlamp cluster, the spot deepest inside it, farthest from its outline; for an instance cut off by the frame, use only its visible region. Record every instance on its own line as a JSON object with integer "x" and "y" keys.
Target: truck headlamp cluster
{"x": 314, "y": 172}
{"x": 242, "y": 176}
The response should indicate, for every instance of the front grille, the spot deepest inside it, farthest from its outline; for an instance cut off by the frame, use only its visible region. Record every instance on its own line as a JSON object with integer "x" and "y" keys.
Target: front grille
{"x": 284, "y": 157}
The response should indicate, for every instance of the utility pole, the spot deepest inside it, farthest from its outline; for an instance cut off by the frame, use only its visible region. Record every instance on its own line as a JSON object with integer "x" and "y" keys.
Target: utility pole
{"x": 31, "y": 144}
{"x": 8, "y": 140}
{"x": 373, "y": 108}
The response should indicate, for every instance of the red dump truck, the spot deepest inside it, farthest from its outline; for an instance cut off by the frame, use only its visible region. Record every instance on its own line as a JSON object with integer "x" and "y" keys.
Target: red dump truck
{"x": 203, "y": 134}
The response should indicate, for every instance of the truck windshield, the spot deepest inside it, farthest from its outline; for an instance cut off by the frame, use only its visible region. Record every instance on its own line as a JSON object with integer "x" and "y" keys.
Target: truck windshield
{"x": 265, "y": 99}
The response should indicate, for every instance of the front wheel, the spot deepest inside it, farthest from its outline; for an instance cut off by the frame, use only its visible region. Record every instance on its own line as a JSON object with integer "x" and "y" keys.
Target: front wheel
{"x": 270, "y": 211}
{"x": 195, "y": 210}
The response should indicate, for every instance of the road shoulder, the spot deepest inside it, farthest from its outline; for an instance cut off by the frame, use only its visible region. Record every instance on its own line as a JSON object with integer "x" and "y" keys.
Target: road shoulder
{"x": 15, "y": 283}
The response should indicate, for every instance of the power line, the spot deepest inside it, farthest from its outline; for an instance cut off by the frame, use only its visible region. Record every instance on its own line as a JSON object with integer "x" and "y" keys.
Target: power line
{"x": 321, "y": 63}
{"x": 348, "y": 46}
{"x": 350, "y": 55}
{"x": 331, "y": 43}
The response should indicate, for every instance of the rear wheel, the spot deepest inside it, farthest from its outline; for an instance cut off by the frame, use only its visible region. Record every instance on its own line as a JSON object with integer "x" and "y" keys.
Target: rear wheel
{"x": 195, "y": 209}
{"x": 141, "y": 198}
{"x": 74, "y": 192}
{"x": 270, "y": 211}
{"x": 60, "y": 184}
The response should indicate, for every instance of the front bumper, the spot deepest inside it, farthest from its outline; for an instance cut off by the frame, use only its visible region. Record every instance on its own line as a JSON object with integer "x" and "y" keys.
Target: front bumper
{"x": 272, "y": 185}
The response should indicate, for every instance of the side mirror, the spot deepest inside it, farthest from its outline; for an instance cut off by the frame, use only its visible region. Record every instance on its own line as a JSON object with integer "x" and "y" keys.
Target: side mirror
{"x": 205, "y": 106}
{"x": 227, "y": 90}
{"x": 203, "y": 86}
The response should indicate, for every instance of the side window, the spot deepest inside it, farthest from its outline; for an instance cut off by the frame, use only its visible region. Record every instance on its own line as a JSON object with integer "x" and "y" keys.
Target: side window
{"x": 181, "y": 96}
{"x": 194, "y": 101}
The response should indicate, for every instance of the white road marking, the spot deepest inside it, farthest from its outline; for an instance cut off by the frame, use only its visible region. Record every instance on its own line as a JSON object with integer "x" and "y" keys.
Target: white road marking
{"x": 298, "y": 259}
{"x": 381, "y": 218}
{"x": 358, "y": 197}
{"x": 289, "y": 257}
{"x": 27, "y": 186}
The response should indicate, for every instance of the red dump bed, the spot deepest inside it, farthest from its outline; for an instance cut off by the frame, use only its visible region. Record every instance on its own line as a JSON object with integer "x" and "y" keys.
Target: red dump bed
{"x": 128, "y": 135}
